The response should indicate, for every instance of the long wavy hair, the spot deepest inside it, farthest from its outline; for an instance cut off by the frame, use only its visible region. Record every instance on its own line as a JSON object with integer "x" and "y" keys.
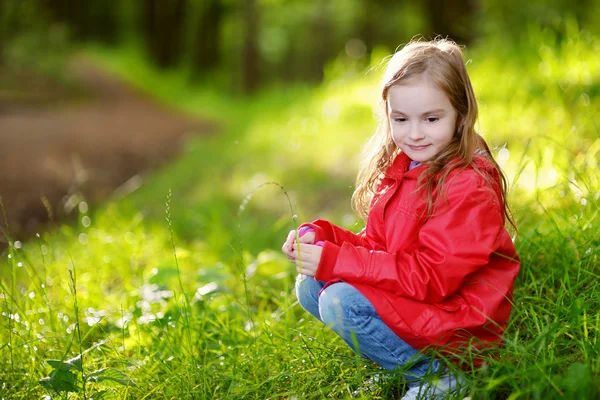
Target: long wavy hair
{"x": 442, "y": 62}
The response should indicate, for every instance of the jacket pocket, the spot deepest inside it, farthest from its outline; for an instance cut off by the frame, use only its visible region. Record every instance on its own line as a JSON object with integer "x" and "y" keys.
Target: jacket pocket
{"x": 440, "y": 320}
{"x": 452, "y": 303}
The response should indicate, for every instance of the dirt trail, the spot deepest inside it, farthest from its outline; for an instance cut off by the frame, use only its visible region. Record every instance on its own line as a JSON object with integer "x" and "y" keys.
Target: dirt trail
{"x": 55, "y": 148}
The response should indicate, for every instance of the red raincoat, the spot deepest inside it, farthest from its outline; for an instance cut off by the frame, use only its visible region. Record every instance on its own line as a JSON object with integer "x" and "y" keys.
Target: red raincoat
{"x": 439, "y": 281}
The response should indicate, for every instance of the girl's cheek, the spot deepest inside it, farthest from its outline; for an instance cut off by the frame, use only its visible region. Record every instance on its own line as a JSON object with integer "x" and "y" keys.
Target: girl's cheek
{"x": 401, "y": 132}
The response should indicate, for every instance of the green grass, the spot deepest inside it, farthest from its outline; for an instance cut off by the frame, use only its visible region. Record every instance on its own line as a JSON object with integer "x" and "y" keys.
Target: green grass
{"x": 180, "y": 288}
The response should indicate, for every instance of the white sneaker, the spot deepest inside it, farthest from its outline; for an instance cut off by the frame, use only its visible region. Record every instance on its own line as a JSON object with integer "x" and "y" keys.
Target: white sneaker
{"x": 440, "y": 388}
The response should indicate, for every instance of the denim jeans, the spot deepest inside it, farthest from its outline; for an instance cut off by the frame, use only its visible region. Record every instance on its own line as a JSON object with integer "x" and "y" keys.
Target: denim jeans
{"x": 353, "y": 318}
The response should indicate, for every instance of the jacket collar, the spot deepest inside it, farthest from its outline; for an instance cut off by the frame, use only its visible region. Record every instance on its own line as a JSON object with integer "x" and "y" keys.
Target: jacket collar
{"x": 399, "y": 168}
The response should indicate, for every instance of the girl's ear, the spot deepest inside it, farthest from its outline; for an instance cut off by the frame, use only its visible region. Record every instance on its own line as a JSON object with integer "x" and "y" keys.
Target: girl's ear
{"x": 460, "y": 121}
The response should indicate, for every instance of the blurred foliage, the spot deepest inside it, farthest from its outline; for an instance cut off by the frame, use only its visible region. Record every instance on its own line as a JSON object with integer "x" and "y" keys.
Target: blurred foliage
{"x": 511, "y": 19}
{"x": 247, "y": 44}
{"x": 28, "y": 38}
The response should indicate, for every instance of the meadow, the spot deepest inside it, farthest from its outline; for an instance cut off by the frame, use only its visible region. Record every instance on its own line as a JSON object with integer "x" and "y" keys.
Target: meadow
{"x": 179, "y": 290}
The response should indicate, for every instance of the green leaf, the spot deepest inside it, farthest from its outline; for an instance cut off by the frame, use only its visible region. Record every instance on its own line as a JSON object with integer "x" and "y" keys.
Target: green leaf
{"x": 579, "y": 381}
{"x": 45, "y": 382}
{"x": 68, "y": 365}
{"x": 110, "y": 374}
{"x": 164, "y": 275}
{"x": 104, "y": 395}
{"x": 213, "y": 273}
{"x": 61, "y": 381}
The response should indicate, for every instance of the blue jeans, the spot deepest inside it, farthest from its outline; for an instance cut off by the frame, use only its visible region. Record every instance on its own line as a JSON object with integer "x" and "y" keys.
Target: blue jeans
{"x": 353, "y": 318}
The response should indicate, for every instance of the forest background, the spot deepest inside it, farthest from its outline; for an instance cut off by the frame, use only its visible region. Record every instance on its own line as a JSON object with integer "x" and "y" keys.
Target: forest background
{"x": 154, "y": 155}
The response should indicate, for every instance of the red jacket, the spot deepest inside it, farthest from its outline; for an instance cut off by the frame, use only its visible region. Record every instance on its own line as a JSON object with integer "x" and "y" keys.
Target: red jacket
{"x": 440, "y": 281}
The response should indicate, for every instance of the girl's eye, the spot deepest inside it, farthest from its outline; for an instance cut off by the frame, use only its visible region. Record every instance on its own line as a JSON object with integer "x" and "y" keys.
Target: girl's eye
{"x": 432, "y": 119}
{"x": 400, "y": 119}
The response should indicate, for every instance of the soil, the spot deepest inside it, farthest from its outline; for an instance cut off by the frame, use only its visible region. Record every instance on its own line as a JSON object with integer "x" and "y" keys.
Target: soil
{"x": 58, "y": 146}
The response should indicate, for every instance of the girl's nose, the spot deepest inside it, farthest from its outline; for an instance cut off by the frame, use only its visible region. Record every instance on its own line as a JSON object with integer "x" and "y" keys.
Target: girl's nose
{"x": 415, "y": 132}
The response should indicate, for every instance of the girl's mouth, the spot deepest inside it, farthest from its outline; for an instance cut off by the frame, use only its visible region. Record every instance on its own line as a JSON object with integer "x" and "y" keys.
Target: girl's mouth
{"x": 418, "y": 148}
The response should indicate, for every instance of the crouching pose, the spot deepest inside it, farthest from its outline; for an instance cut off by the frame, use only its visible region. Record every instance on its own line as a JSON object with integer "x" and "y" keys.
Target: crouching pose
{"x": 434, "y": 266}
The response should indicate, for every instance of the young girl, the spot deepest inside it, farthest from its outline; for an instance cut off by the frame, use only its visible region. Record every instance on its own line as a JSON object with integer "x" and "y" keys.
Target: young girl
{"x": 434, "y": 266}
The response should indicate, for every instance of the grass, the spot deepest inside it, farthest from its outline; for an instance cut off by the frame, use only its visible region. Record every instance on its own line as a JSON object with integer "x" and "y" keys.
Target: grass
{"x": 180, "y": 291}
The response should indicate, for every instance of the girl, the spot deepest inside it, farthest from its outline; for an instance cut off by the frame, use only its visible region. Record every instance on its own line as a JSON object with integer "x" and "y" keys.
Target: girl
{"x": 434, "y": 266}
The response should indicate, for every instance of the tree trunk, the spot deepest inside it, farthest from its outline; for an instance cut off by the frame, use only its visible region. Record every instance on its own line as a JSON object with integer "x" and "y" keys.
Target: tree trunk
{"x": 98, "y": 21}
{"x": 367, "y": 25}
{"x": 3, "y": 23}
{"x": 452, "y": 18}
{"x": 65, "y": 11}
{"x": 251, "y": 60}
{"x": 322, "y": 46}
{"x": 163, "y": 30}
{"x": 206, "y": 54}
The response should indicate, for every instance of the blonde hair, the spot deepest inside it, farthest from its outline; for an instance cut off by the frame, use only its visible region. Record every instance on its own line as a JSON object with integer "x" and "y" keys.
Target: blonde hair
{"x": 442, "y": 62}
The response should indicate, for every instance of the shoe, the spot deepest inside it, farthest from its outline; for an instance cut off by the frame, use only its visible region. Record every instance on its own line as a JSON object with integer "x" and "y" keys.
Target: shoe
{"x": 440, "y": 388}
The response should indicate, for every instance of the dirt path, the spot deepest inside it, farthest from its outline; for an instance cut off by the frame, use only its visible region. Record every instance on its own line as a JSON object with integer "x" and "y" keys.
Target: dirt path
{"x": 58, "y": 147}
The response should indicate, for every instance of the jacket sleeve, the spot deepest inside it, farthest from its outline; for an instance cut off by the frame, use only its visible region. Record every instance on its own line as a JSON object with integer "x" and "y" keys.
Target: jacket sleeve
{"x": 326, "y": 231}
{"x": 455, "y": 242}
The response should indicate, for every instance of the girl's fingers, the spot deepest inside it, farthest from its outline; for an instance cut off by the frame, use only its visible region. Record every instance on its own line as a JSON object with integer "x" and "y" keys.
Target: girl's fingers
{"x": 308, "y": 237}
{"x": 288, "y": 244}
{"x": 305, "y": 240}
{"x": 291, "y": 235}
{"x": 304, "y": 258}
{"x": 309, "y": 249}
{"x": 291, "y": 239}
{"x": 305, "y": 271}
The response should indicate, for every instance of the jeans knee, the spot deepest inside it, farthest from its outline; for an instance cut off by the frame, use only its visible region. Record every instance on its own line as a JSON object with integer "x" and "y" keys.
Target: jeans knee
{"x": 307, "y": 291}
{"x": 335, "y": 306}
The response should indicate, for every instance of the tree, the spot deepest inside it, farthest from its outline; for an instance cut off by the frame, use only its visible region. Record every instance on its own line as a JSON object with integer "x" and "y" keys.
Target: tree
{"x": 321, "y": 48}
{"x": 251, "y": 58}
{"x": 85, "y": 20}
{"x": 206, "y": 51}
{"x": 163, "y": 23}
{"x": 452, "y": 18}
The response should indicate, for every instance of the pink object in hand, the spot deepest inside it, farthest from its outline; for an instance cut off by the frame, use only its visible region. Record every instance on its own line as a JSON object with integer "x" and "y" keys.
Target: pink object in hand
{"x": 305, "y": 229}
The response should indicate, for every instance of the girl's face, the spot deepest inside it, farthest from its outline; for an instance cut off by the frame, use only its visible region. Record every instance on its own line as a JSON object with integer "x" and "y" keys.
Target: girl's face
{"x": 422, "y": 119}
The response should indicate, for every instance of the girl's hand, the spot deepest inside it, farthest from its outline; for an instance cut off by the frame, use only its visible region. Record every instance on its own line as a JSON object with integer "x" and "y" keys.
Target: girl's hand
{"x": 290, "y": 243}
{"x": 310, "y": 256}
